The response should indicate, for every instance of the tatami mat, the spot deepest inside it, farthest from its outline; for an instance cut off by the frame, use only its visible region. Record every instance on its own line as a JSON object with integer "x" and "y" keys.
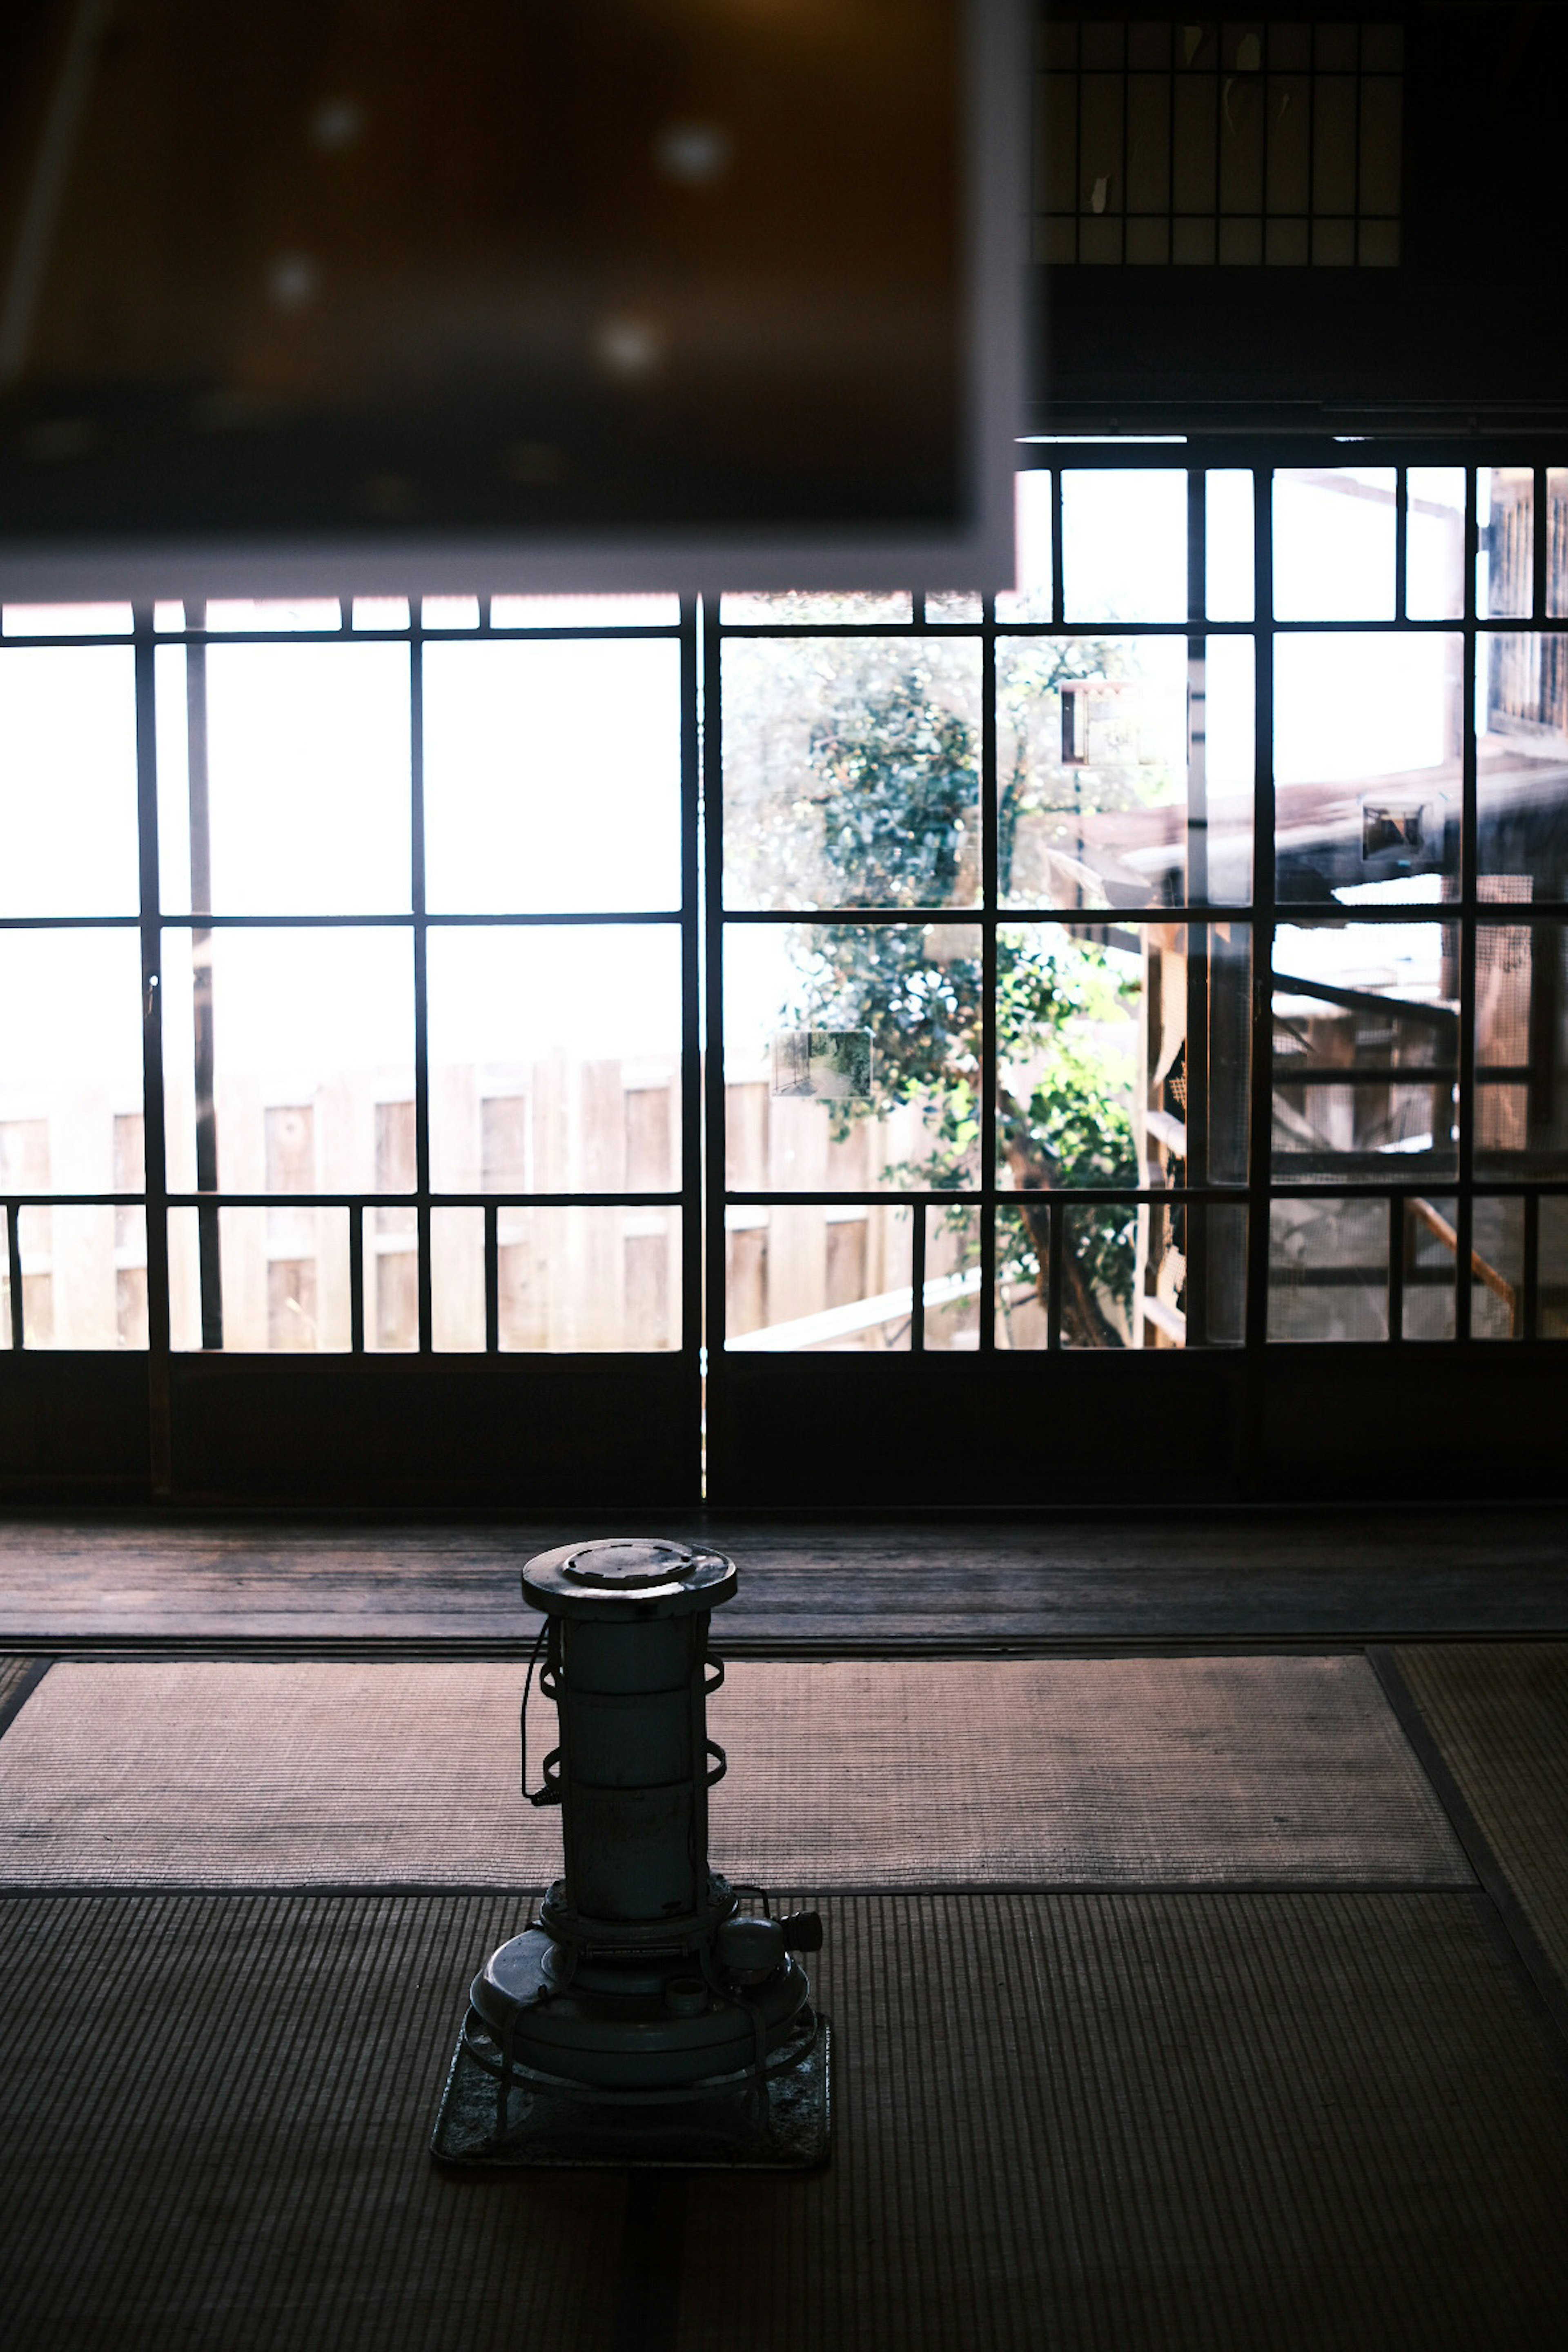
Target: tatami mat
{"x": 1163, "y": 2121}
{"x": 216, "y": 2112}
{"x": 1116, "y": 1771}
{"x": 1498, "y": 1712}
{"x": 1096, "y": 2121}
{"x": 15, "y": 1672}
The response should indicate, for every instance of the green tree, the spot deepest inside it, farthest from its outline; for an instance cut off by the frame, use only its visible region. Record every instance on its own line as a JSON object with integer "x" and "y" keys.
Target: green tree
{"x": 894, "y": 787}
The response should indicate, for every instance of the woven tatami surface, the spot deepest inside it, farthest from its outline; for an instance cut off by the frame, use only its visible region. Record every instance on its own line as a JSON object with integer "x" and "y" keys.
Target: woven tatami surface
{"x": 1093, "y": 1771}
{"x": 1108, "y": 2121}
{"x": 14, "y": 1673}
{"x": 1498, "y": 1712}
{"x": 216, "y": 2112}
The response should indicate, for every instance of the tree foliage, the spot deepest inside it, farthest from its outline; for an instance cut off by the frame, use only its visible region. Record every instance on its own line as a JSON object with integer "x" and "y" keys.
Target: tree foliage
{"x": 892, "y": 804}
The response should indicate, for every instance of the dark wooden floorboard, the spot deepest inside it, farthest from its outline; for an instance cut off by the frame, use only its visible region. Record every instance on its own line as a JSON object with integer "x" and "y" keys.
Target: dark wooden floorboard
{"x": 841, "y": 1585}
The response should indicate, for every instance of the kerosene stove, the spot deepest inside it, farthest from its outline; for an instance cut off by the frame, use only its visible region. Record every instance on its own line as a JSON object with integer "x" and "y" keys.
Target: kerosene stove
{"x": 645, "y": 2016}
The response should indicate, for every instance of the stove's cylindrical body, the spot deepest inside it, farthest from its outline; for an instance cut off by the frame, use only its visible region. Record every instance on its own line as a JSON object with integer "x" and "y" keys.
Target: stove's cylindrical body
{"x": 634, "y": 1770}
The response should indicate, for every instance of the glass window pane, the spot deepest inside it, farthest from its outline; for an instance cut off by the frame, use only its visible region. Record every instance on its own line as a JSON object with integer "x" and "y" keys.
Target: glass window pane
{"x": 569, "y": 1281}
{"x": 449, "y": 613}
{"x": 307, "y": 780}
{"x": 1068, "y": 1043}
{"x": 1367, "y": 734}
{"x": 172, "y": 720}
{"x": 1435, "y": 543}
{"x": 824, "y": 1279}
{"x": 1124, "y": 545}
{"x": 1227, "y": 546}
{"x": 1505, "y": 549}
{"x": 1328, "y": 1270}
{"x": 954, "y": 609}
{"x": 552, "y": 776}
{"x": 1335, "y": 543}
{"x": 1431, "y": 1244}
{"x": 1522, "y": 764}
{"x": 950, "y": 1295}
{"x": 555, "y": 1058}
{"x": 1551, "y": 1270}
{"x": 1156, "y": 1276}
{"x": 1100, "y": 1035}
{"x": 67, "y": 780}
{"x": 70, "y": 1061}
{"x": 1101, "y": 1246}
{"x": 584, "y": 611}
{"x": 1029, "y": 599}
{"x": 284, "y": 1280}
{"x": 67, "y": 621}
{"x": 1366, "y": 1051}
{"x": 1108, "y": 795}
{"x": 310, "y": 1029}
{"x": 381, "y": 613}
{"x": 789, "y": 607}
{"x": 238, "y": 614}
{"x": 1522, "y": 1048}
{"x": 1023, "y": 1277}
{"x": 851, "y": 773}
{"x": 1557, "y": 540}
{"x": 860, "y": 1046}
{"x": 84, "y": 1278}
{"x": 1497, "y": 1268}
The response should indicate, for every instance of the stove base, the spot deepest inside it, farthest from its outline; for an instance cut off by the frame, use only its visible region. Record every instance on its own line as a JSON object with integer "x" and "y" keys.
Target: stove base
{"x": 715, "y": 2125}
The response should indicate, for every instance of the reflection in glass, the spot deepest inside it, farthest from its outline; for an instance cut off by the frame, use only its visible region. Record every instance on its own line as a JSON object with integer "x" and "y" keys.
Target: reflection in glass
{"x": 1367, "y": 734}
{"x": 1365, "y": 1052}
{"x": 569, "y": 1281}
{"x": 1435, "y": 543}
{"x": 1522, "y": 764}
{"x": 1124, "y": 772}
{"x": 887, "y": 1096}
{"x": 552, "y": 775}
{"x": 555, "y": 1058}
{"x": 824, "y": 1278}
{"x": 1099, "y": 1036}
{"x": 1104, "y": 515}
{"x": 851, "y": 773}
{"x": 84, "y": 1276}
{"x": 70, "y": 1061}
{"x": 1334, "y": 542}
{"x": 1505, "y": 549}
{"x": 1522, "y": 1046}
{"x": 1328, "y": 1269}
{"x": 67, "y": 780}
{"x": 307, "y": 779}
{"x": 302, "y": 1033}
